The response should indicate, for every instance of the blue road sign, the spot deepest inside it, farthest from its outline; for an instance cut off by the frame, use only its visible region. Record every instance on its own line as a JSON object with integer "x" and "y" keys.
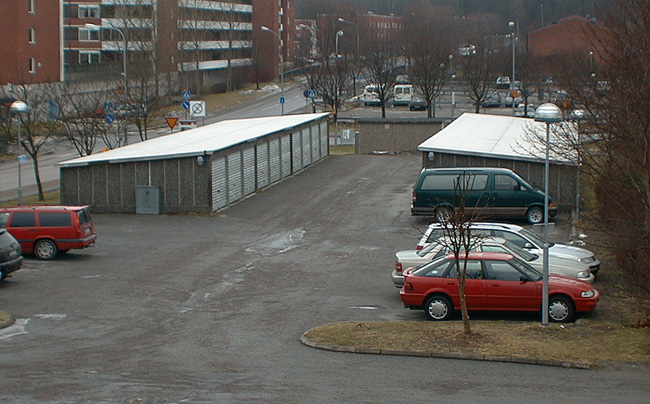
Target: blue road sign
{"x": 186, "y": 105}
{"x": 109, "y": 107}
{"x": 310, "y": 94}
{"x": 187, "y": 95}
{"x": 109, "y": 118}
{"x": 281, "y": 100}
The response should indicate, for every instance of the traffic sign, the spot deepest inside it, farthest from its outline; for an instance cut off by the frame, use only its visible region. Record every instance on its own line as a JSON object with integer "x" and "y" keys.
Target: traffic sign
{"x": 282, "y": 100}
{"x": 22, "y": 158}
{"x": 171, "y": 122}
{"x": 187, "y": 94}
{"x": 109, "y": 118}
{"x": 186, "y": 105}
{"x": 310, "y": 94}
{"x": 197, "y": 108}
{"x": 109, "y": 107}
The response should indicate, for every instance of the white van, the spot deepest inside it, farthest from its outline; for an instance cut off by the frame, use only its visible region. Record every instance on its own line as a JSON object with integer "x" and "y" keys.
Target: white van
{"x": 402, "y": 94}
{"x": 371, "y": 95}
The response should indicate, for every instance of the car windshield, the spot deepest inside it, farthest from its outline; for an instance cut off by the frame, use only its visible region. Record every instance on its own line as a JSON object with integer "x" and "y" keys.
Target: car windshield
{"x": 526, "y": 269}
{"x": 536, "y": 239}
{"x": 521, "y": 252}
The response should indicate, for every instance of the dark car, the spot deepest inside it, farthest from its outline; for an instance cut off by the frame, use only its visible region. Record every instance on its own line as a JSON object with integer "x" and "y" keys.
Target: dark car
{"x": 417, "y": 103}
{"x": 10, "y": 254}
{"x": 49, "y": 230}
{"x": 494, "y": 282}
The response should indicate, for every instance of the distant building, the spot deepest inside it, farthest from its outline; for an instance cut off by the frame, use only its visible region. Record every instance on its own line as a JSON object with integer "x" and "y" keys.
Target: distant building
{"x": 195, "y": 40}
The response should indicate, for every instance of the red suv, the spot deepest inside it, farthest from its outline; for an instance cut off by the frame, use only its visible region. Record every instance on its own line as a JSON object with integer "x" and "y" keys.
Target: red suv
{"x": 47, "y": 230}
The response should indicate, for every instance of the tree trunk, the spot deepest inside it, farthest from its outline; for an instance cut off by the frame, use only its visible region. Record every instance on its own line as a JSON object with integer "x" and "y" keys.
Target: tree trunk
{"x": 463, "y": 305}
{"x": 37, "y": 177}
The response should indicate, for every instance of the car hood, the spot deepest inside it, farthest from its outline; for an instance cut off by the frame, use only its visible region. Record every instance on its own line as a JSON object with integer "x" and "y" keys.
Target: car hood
{"x": 559, "y": 281}
{"x": 569, "y": 252}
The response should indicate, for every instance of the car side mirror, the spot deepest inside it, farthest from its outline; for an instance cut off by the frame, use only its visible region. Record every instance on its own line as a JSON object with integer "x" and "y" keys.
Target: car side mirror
{"x": 528, "y": 246}
{"x": 523, "y": 278}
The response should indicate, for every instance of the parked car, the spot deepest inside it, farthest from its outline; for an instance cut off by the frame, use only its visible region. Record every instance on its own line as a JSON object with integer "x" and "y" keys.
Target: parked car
{"x": 494, "y": 282}
{"x": 492, "y": 100}
{"x": 525, "y": 110}
{"x": 488, "y": 191}
{"x": 556, "y": 265}
{"x": 370, "y": 95}
{"x": 47, "y": 231}
{"x": 10, "y": 254}
{"x": 417, "y": 103}
{"x": 503, "y": 82}
{"x": 522, "y": 237}
{"x": 402, "y": 94}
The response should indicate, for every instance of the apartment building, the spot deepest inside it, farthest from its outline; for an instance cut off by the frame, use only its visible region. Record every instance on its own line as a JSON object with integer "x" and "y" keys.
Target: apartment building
{"x": 205, "y": 44}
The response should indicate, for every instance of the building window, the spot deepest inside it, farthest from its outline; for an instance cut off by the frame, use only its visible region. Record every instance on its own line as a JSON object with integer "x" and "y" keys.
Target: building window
{"x": 32, "y": 65}
{"x": 88, "y": 11}
{"x": 31, "y": 35}
{"x": 88, "y": 58}
{"x": 31, "y": 6}
{"x": 86, "y": 34}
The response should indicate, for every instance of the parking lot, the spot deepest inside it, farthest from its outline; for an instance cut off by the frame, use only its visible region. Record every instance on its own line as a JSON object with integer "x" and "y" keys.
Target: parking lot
{"x": 209, "y": 308}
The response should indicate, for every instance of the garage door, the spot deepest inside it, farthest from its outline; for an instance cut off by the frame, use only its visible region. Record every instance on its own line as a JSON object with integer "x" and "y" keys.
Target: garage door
{"x": 285, "y": 153}
{"x": 296, "y": 151}
{"x": 263, "y": 163}
{"x": 324, "y": 139}
{"x": 249, "y": 170}
{"x": 234, "y": 177}
{"x": 219, "y": 184}
{"x": 315, "y": 143}
{"x": 274, "y": 151}
{"x": 306, "y": 148}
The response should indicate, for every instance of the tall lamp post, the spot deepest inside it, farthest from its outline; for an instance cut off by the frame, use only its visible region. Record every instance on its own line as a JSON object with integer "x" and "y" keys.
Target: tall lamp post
{"x": 339, "y": 33}
{"x": 511, "y": 24}
{"x": 19, "y": 107}
{"x": 548, "y": 113}
{"x": 125, "y": 69}
{"x": 356, "y": 56}
{"x": 267, "y": 29}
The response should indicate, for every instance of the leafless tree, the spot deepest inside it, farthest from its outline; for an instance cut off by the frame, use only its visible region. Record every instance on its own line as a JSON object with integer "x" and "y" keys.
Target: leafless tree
{"x": 381, "y": 60}
{"x": 476, "y": 73}
{"x": 428, "y": 56}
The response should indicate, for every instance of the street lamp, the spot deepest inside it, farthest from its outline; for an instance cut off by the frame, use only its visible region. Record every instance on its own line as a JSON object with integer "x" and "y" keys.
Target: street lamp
{"x": 124, "y": 52}
{"x": 339, "y": 33}
{"x": 267, "y": 29}
{"x": 19, "y": 107}
{"x": 511, "y": 24}
{"x": 548, "y": 113}
{"x": 356, "y": 56}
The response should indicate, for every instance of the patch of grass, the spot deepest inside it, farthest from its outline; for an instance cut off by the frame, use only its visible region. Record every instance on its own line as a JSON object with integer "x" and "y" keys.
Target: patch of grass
{"x": 584, "y": 341}
{"x": 51, "y": 198}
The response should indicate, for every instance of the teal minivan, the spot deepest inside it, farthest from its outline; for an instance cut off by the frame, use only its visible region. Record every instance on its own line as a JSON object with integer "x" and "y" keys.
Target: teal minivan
{"x": 489, "y": 192}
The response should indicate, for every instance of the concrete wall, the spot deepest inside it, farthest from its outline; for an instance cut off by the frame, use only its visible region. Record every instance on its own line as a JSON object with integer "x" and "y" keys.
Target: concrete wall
{"x": 394, "y": 135}
{"x": 562, "y": 178}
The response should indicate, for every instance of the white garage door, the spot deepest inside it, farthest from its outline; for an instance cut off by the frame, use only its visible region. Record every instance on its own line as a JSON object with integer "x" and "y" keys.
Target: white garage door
{"x": 274, "y": 150}
{"x": 219, "y": 184}
{"x": 263, "y": 164}
{"x": 249, "y": 170}
{"x": 234, "y": 177}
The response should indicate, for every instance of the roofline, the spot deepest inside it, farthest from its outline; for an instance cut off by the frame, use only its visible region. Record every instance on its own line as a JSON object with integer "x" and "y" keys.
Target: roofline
{"x": 493, "y": 155}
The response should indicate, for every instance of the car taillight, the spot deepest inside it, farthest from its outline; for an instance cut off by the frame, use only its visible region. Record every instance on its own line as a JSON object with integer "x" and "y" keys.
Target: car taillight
{"x": 408, "y": 286}
{"x": 398, "y": 267}
{"x": 415, "y": 197}
{"x": 419, "y": 247}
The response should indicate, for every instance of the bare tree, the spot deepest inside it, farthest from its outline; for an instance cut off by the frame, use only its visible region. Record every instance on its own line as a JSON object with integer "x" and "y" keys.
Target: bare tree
{"x": 428, "y": 56}
{"x": 476, "y": 72}
{"x": 381, "y": 61}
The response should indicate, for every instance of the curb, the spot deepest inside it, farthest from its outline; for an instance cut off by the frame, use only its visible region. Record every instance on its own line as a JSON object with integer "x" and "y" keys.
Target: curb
{"x": 6, "y": 319}
{"x": 444, "y": 355}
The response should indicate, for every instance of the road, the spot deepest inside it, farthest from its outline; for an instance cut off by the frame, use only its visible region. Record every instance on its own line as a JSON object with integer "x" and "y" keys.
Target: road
{"x": 209, "y": 309}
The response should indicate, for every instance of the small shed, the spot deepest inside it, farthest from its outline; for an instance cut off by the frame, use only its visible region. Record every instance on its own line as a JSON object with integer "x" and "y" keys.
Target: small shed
{"x": 483, "y": 140}
{"x": 198, "y": 170}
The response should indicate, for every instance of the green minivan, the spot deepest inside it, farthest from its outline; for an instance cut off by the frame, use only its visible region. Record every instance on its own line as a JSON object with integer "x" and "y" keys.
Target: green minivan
{"x": 488, "y": 191}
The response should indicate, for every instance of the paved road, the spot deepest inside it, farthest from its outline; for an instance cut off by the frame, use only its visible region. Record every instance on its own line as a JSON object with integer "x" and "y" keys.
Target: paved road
{"x": 209, "y": 309}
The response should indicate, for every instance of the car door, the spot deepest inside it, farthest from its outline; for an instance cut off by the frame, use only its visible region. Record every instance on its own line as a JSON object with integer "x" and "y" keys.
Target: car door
{"x": 475, "y": 286}
{"x": 509, "y": 197}
{"x": 507, "y": 291}
{"x": 22, "y": 225}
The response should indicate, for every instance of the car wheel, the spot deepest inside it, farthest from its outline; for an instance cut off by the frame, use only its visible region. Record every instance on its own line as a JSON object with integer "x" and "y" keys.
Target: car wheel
{"x": 443, "y": 214}
{"x": 560, "y": 309}
{"x": 438, "y": 308}
{"x": 535, "y": 215}
{"x": 45, "y": 250}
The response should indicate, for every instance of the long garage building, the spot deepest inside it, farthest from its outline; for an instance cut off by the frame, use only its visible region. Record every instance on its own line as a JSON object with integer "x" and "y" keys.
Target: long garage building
{"x": 198, "y": 170}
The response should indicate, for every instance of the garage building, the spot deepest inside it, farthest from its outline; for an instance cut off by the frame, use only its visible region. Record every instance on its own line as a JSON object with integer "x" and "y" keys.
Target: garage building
{"x": 198, "y": 170}
{"x": 482, "y": 140}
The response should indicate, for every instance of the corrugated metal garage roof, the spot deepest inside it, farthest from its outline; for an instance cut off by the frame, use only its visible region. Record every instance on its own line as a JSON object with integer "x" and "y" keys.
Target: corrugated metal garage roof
{"x": 494, "y": 136}
{"x": 195, "y": 142}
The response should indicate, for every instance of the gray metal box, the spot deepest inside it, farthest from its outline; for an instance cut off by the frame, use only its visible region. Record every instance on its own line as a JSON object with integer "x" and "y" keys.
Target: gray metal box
{"x": 147, "y": 200}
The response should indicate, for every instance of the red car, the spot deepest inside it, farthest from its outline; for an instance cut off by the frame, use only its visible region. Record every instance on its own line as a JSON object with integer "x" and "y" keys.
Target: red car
{"x": 495, "y": 282}
{"x": 47, "y": 230}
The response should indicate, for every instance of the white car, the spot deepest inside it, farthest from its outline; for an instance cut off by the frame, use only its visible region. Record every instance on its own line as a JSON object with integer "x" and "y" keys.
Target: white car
{"x": 561, "y": 266}
{"x": 521, "y": 236}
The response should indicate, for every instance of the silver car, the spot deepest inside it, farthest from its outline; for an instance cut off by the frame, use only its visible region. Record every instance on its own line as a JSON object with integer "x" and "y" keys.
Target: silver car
{"x": 556, "y": 265}
{"x": 521, "y": 236}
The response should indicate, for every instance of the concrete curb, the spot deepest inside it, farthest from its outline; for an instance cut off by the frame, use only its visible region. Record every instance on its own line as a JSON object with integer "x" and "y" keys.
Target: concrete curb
{"x": 444, "y": 355}
{"x": 6, "y": 319}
